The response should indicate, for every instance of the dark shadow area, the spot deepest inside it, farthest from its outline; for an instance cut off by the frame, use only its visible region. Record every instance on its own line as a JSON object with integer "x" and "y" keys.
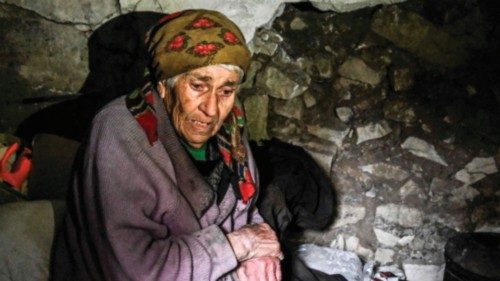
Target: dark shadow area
{"x": 116, "y": 63}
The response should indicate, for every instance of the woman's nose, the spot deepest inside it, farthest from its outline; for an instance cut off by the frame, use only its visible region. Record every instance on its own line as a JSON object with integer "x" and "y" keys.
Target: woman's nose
{"x": 209, "y": 104}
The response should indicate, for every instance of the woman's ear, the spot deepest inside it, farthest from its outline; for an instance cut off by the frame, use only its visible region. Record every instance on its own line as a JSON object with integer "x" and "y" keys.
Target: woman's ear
{"x": 162, "y": 90}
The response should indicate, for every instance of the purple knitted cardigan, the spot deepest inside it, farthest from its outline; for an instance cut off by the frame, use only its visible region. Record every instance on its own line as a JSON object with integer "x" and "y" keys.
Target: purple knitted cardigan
{"x": 138, "y": 211}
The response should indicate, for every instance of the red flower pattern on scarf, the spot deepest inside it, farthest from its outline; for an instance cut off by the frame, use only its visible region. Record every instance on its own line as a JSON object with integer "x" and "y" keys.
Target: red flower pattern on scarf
{"x": 178, "y": 43}
{"x": 203, "y": 23}
{"x": 204, "y": 48}
{"x": 229, "y": 37}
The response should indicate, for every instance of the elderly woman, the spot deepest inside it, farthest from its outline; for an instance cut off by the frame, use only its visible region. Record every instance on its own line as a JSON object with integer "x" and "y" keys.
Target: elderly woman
{"x": 167, "y": 185}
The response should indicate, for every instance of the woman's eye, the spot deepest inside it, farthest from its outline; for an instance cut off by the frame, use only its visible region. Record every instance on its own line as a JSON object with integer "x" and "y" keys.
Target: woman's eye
{"x": 228, "y": 92}
{"x": 198, "y": 86}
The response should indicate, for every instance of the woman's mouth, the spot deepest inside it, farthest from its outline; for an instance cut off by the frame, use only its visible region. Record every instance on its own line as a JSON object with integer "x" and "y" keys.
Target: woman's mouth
{"x": 201, "y": 126}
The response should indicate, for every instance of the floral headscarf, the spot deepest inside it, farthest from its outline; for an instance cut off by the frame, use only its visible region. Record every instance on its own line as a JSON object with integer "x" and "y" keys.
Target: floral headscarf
{"x": 184, "y": 41}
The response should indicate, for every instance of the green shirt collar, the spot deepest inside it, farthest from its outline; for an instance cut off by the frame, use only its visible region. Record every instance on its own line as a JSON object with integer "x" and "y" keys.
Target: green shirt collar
{"x": 199, "y": 154}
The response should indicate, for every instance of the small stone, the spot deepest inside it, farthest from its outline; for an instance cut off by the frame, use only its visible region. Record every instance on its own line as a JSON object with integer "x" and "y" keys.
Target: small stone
{"x": 426, "y": 128}
{"x": 293, "y": 108}
{"x": 406, "y": 240}
{"x": 464, "y": 193}
{"x": 256, "y": 110}
{"x": 306, "y": 64}
{"x": 266, "y": 42}
{"x": 334, "y": 136}
{"x": 366, "y": 253}
{"x": 349, "y": 214}
{"x": 255, "y": 66}
{"x": 279, "y": 85}
{"x": 356, "y": 69}
{"x": 410, "y": 188}
{"x": 297, "y": 24}
{"x": 482, "y": 165}
{"x": 401, "y": 79}
{"x": 423, "y": 272}
{"x": 344, "y": 113}
{"x": 386, "y": 171}
{"x": 399, "y": 110}
{"x": 324, "y": 66}
{"x": 373, "y": 131}
{"x": 476, "y": 170}
{"x": 338, "y": 243}
{"x": 352, "y": 243}
{"x": 386, "y": 238}
{"x": 400, "y": 214}
{"x": 422, "y": 149}
{"x": 343, "y": 84}
{"x": 309, "y": 99}
{"x": 371, "y": 193}
{"x": 467, "y": 178}
{"x": 384, "y": 256}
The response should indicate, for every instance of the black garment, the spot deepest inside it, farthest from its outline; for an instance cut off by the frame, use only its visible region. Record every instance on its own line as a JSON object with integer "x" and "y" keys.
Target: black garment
{"x": 295, "y": 195}
{"x": 294, "y": 188}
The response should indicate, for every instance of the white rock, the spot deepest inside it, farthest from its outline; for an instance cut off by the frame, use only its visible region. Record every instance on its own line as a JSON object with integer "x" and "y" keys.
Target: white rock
{"x": 266, "y": 42}
{"x": 349, "y": 214}
{"x": 349, "y": 5}
{"x": 297, "y": 24}
{"x": 464, "y": 193}
{"x": 338, "y": 243}
{"x": 422, "y": 149}
{"x": 344, "y": 113}
{"x": 468, "y": 178}
{"x": 356, "y": 69}
{"x": 280, "y": 86}
{"x": 400, "y": 214}
{"x": 476, "y": 170}
{"x": 409, "y": 188}
{"x": 373, "y": 131}
{"x": 384, "y": 256}
{"x": 423, "y": 272}
{"x": 331, "y": 261}
{"x": 386, "y": 171}
{"x": 366, "y": 253}
{"x": 406, "y": 240}
{"x": 352, "y": 243}
{"x": 386, "y": 238}
{"x": 482, "y": 165}
{"x": 334, "y": 136}
{"x": 371, "y": 193}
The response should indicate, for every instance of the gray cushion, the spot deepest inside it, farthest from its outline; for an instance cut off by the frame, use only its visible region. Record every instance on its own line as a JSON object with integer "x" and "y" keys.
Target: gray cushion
{"x": 26, "y": 237}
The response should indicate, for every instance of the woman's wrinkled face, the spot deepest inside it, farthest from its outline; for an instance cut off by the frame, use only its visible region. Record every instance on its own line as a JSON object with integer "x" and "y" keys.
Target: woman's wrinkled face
{"x": 201, "y": 102}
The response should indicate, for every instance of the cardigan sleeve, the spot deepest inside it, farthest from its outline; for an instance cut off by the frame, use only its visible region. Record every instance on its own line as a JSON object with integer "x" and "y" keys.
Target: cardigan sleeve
{"x": 131, "y": 206}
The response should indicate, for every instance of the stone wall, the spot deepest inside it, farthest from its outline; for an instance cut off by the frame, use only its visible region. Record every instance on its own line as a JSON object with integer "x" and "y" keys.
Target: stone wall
{"x": 400, "y": 110}
{"x": 45, "y": 56}
{"x": 398, "y": 103}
